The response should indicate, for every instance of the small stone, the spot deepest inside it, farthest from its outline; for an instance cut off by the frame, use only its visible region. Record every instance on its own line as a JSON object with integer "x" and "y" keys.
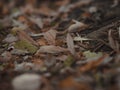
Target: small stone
{"x": 27, "y": 82}
{"x": 92, "y": 9}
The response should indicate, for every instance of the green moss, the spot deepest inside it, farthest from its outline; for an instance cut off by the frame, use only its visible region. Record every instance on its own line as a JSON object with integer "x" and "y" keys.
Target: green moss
{"x": 15, "y": 30}
{"x": 15, "y": 10}
{"x": 24, "y": 45}
{"x": 89, "y": 54}
{"x": 69, "y": 61}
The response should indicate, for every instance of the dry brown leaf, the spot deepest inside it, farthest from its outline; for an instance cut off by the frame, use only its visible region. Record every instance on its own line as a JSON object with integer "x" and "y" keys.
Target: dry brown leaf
{"x": 82, "y": 3}
{"x": 70, "y": 44}
{"x": 38, "y": 64}
{"x": 45, "y": 10}
{"x": 51, "y": 49}
{"x": 24, "y": 36}
{"x": 5, "y": 56}
{"x": 78, "y": 26}
{"x": 50, "y": 36}
{"x": 93, "y": 64}
{"x": 119, "y": 32}
{"x": 41, "y": 42}
{"x": 70, "y": 82}
{"x": 113, "y": 43}
{"x": 37, "y": 21}
{"x": 62, "y": 2}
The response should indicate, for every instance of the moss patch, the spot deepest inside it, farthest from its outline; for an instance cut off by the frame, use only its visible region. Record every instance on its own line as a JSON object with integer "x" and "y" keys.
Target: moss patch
{"x": 69, "y": 61}
{"x": 24, "y": 45}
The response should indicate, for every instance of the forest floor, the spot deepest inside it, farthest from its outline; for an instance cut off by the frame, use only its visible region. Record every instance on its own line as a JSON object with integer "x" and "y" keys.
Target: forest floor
{"x": 68, "y": 44}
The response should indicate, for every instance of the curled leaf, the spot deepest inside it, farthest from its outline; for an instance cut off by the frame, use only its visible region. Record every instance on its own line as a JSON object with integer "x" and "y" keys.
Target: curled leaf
{"x": 78, "y": 26}
{"x": 70, "y": 44}
{"x": 50, "y": 36}
{"x": 37, "y": 21}
{"x": 113, "y": 43}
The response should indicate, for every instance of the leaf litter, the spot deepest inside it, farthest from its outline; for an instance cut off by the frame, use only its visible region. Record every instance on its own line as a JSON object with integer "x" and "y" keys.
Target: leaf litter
{"x": 59, "y": 45}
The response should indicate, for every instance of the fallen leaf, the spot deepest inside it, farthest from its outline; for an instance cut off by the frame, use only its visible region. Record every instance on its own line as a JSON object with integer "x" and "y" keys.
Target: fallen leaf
{"x": 26, "y": 46}
{"x": 37, "y": 21}
{"x": 78, "y": 26}
{"x": 25, "y": 66}
{"x": 69, "y": 61}
{"x": 62, "y": 58}
{"x": 42, "y": 42}
{"x": 93, "y": 63}
{"x": 24, "y": 36}
{"x": 92, "y": 55}
{"x": 45, "y": 10}
{"x": 113, "y": 43}
{"x": 70, "y": 44}
{"x": 51, "y": 49}
{"x": 119, "y": 32}
{"x": 10, "y": 38}
{"x": 50, "y": 36}
{"x": 19, "y": 52}
{"x": 5, "y": 56}
{"x": 19, "y": 24}
{"x": 70, "y": 83}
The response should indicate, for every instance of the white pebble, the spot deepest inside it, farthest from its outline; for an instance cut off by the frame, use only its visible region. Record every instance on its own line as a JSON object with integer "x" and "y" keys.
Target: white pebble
{"x": 92, "y": 9}
{"x": 27, "y": 82}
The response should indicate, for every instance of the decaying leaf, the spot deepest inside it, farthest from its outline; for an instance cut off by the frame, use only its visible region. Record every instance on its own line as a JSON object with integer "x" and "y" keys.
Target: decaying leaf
{"x": 51, "y": 49}
{"x": 62, "y": 58}
{"x": 70, "y": 83}
{"x": 10, "y": 38}
{"x": 24, "y": 45}
{"x": 70, "y": 44}
{"x": 24, "y": 36}
{"x": 39, "y": 65}
{"x": 19, "y": 24}
{"x": 37, "y": 21}
{"x": 50, "y": 36}
{"x": 113, "y": 43}
{"x": 15, "y": 29}
{"x": 5, "y": 56}
{"x": 25, "y": 66}
{"x": 69, "y": 61}
{"x": 78, "y": 26}
{"x": 93, "y": 63}
{"x": 19, "y": 52}
{"x": 42, "y": 42}
{"x": 119, "y": 32}
{"x": 92, "y": 55}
